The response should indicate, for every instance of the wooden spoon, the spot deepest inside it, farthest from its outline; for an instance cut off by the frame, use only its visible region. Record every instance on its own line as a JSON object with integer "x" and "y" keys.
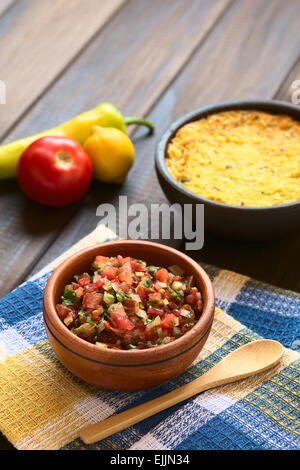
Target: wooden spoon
{"x": 247, "y": 360}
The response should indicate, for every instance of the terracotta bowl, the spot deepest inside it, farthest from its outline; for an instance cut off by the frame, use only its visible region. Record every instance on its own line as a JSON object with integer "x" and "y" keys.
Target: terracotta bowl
{"x": 236, "y": 222}
{"x": 135, "y": 369}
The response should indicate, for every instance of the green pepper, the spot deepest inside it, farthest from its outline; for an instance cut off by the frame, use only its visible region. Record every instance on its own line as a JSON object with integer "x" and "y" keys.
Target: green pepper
{"x": 78, "y": 128}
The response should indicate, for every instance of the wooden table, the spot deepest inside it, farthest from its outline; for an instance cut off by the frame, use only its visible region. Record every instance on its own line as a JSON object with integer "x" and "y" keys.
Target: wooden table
{"x": 155, "y": 58}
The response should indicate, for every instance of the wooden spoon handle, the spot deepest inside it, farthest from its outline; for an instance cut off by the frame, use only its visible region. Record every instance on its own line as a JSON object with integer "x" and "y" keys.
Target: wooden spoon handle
{"x": 241, "y": 363}
{"x": 116, "y": 423}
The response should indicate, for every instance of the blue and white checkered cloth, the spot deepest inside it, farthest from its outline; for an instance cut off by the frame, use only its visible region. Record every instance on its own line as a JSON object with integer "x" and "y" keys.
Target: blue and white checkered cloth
{"x": 43, "y": 405}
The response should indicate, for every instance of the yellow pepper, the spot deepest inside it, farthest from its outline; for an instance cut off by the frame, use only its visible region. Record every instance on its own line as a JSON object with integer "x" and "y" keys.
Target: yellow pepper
{"x": 112, "y": 154}
{"x": 78, "y": 128}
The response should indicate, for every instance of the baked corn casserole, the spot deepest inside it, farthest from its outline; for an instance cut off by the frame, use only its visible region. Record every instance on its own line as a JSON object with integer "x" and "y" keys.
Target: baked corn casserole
{"x": 241, "y": 158}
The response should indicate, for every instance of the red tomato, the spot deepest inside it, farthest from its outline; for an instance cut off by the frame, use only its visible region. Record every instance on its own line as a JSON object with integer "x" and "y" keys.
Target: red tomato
{"x": 150, "y": 333}
{"x": 142, "y": 294}
{"x": 122, "y": 260}
{"x": 101, "y": 259}
{"x": 168, "y": 321}
{"x": 162, "y": 275}
{"x": 63, "y": 311}
{"x": 155, "y": 298}
{"x": 125, "y": 287}
{"x": 54, "y": 171}
{"x": 99, "y": 284}
{"x": 193, "y": 298}
{"x": 126, "y": 273}
{"x": 137, "y": 267}
{"x": 154, "y": 311}
{"x": 79, "y": 292}
{"x": 120, "y": 319}
{"x": 92, "y": 300}
{"x": 109, "y": 272}
{"x": 156, "y": 287}
{"x": 83, "y": 282}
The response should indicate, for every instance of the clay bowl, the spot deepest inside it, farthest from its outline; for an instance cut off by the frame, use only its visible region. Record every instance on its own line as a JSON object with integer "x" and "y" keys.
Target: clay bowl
{"x": 235, "y": 222}
{"x": 135, "y": 369}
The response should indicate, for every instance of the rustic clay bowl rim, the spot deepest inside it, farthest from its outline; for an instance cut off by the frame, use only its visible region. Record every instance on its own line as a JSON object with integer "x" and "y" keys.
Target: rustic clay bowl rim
{"x": 268, "y": 106}
{"x": 119, "y": 358}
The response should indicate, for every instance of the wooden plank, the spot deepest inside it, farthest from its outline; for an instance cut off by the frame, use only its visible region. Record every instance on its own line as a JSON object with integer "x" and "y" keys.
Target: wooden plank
{"x": 130, "y": 63}
{"x": 5, "y": 5}
{"x": 221, "y": 75}
{"x": 276, "y": 261}
{"x": 38, "y": 40}
{"x": 286, "y": 90}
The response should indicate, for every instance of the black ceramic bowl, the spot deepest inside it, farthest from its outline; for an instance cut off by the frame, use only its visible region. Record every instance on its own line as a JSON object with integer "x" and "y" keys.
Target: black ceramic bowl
{"x": 237, "y": 222}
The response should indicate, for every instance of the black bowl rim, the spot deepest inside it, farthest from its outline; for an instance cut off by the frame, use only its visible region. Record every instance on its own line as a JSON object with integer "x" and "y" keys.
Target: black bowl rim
{"x": 277, "y": 107}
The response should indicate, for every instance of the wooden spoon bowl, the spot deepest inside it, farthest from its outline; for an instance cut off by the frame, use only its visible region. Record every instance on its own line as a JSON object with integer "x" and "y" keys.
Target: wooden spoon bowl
{"x": 126, "y": 370}
{"x": 247, "y": 360}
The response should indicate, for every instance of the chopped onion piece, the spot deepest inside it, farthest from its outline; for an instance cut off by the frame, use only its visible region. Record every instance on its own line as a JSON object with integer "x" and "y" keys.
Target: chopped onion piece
{"x": 107, "y": 285}
{"x": 185, "y": 313}
{"x": 96, "y": 277}
{"x": 114, "y": 306}
{"x": 178, "y": 285}
{"x": 161, "y": 284}
{"x": 176, "y": 331}
{"x": 116, "y": 287}
{"x": 142, "y": 314}
{"x": 101, "y": 326}
{"x": 155, "y": 322}
{"x": 136, "y": 298}
{"x": 103, "y": 345}
{"x": 160, "y": 332}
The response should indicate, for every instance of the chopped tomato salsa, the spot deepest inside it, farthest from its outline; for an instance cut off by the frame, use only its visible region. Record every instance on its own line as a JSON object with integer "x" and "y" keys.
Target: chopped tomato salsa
{"x": 123, "y": 303}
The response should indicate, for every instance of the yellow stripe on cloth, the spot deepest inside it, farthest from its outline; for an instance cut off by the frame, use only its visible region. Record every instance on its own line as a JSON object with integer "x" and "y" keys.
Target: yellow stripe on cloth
{"x": 55, "y": 433}
{"x": 223, "y": 328}
{"x": 36, "y": 388}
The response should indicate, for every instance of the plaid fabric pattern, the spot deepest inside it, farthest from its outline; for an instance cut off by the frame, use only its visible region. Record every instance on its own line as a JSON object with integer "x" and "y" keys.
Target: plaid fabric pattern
{"x": 43, "y": 405}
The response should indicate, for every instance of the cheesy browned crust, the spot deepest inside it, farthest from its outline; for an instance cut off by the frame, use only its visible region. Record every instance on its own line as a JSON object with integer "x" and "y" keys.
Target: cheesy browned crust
{"x": 249, "y": 158}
